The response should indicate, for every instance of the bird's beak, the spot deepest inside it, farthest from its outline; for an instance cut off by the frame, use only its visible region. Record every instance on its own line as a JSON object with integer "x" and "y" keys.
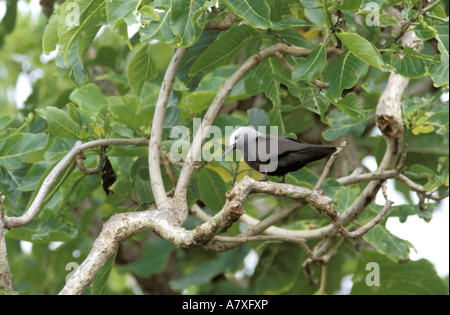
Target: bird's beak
{"x": 228, "y": 150}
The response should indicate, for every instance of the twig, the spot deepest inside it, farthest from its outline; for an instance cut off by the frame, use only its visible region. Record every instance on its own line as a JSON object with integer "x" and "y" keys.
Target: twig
{"x": 221, "y": 24}
{"x": 284, "y": 62}
{"x": 367, "y": 227}
{"x": 327, "y": 168}
{"x": 321, "y": 84}
{"x": 90, "y": 171}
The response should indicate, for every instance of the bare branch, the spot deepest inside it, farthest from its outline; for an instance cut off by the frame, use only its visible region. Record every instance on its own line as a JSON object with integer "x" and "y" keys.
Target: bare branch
{"x": 320, "y": 84}
{"x": 327, "y": 168}
{"x": 221, "y": 24}
{"x": 367, "y": 227}
{"x": 157, "y": 130}
{"x": 89, "y": 171}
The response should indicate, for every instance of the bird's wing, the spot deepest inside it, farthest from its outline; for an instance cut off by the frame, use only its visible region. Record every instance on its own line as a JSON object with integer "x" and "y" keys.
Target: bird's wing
{"x": 287, "y": 146}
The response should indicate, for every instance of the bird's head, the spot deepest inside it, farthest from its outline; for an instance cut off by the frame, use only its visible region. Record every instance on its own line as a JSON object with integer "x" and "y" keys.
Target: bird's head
{"x": 237, "y": 139}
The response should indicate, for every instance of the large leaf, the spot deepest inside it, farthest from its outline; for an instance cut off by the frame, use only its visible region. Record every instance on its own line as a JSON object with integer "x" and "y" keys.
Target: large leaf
{"x": 140, "y": 69}
{"x": 223, "y": 48}
{"x": 312, "y": 67}
{"x": 361, "y": 48}
{"x": 79, "y": 21}
{"x": 255, "y": 12}
{"x": 387, "y": 243}
{"x": 351, "y": 105}
{"x": 50, "y": 38}
{"x": 59, "y": 123}
{"x": 185, "y": 19}
{"x": 89, "y": 98}
{"x": 440, "y": 73}
{"x": 342, "y": 125}
{"x": 154, "y": 258}
{"x": 415, "y": 277}
{"x": 278, "y": 269}
{"x": 160, "y": 28}
{"x": 257, "y": 117}
{"x": 202, "y": 272}
{"x": 212, "y": 189}
{"x": 343, "y": 73}
{"x": 16, "y": 148}
{"x": 122, "y": 9}
{"x": 194, "y": 52}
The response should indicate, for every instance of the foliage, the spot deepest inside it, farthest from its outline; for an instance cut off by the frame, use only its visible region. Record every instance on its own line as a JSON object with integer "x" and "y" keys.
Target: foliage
{"x": 104, "y": 83}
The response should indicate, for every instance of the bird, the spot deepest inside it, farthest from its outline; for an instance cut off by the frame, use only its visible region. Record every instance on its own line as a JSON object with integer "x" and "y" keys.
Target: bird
{"x": 275, "y": 155}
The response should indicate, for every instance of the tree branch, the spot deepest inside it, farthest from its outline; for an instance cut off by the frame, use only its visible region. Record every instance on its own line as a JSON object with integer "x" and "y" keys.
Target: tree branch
{"x": 157, "y": 129}
{"x": 5, "y": 273}
{"x": 221, "y": 24}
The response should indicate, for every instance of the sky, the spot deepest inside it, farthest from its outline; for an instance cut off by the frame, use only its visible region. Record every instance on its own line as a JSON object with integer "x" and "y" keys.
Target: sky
{"x": 431, "y": 240}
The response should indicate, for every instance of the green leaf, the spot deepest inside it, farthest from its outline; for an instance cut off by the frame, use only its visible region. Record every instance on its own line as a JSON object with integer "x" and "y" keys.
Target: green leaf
{"x": 257, "y": 117}
{"x": 48, "y": 227}
{"x": 361, "y": 48}
{"x": 223, "y": 48}
{"x": 16, "y": 148}
{"x": 410, "y": 67}
{"x": 387, "y": 243}
{"x": 99, "y": 283}
{"x": 267, "y": 76}
{"x": 278, "y": 269}
{"x": 345, "y": 198}
{"x": 160, "y": 28}
{"x": 122, "y": 9}
{"x": 351, "y": 105}
{"x": 34, "y": 176}
{"x": 59, "y": 123}
{"x": 4, "y": 122}
{"x": 343, "y": 73}
{"x": 288, "y": 21}
{"x": 440, "y": 73}
{"x": 315, "y": 101}
{"x": 50, "y": 38}
{"x": 123, "y": 113}
{"x": 312, "y": 67}
{"x": 155, "y": 255}
{"x": 196, "y": 102}
{"x": 80, "y": 21}
{"x": 351, "y": 5}
{"x": 184, "y": 21}
{"x": 212, "y": 189}
{"x": 255, "y": 12}
{"x": 412, "y": 278}
{"x": 342, "y": 125}
{"x": 89, "y": 98}
{"x": 140, "y": 69}
{"x": 194, "y": 52}
{"x": 77, "y": 74}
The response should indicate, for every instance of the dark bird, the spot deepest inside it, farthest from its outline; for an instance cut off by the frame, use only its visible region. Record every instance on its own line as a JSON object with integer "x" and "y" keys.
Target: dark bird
{"x": 274, "y": 155}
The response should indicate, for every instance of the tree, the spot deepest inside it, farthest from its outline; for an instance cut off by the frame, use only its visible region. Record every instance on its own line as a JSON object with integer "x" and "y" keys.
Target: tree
{"x": 99, "y": 168}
